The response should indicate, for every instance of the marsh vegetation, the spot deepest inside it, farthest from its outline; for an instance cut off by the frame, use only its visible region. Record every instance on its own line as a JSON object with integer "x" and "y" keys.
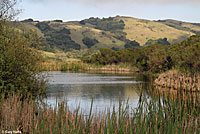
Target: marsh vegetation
{"x": 23, "y": 86}
{"x": 160, "y": 114}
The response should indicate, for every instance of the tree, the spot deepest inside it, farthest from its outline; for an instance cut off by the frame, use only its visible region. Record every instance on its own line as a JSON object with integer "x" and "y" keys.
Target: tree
{"x": 19, "y": 70}
{"x": 58, "y": 38}
{"x": 82, "y": 22}
{"x": 89, "y": 42}
{"x": 28, "y": 20}
{"x": 161, "y": 41}
{"x": 7, "y": 10}
{"x": 130, "y": 44}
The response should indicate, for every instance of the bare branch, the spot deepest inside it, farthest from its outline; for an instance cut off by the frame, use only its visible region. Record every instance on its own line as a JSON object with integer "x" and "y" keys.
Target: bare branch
{"x": 7, "y": 9}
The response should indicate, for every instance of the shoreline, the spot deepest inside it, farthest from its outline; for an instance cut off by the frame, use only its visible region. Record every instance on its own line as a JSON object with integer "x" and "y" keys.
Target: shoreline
{"x": 80, "y": 66}
{"x": 170, "y": 79}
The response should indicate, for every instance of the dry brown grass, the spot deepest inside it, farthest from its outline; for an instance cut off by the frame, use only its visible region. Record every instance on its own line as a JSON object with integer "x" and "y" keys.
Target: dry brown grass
{"x": 149, "y": 117}
{"x": 143, "y": 30}
{"x": 80, "y": 66}
{"x": 176, "y": 80}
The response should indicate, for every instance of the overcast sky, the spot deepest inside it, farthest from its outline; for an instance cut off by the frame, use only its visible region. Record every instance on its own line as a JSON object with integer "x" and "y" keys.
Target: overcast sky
{"x": 68, "y": 10}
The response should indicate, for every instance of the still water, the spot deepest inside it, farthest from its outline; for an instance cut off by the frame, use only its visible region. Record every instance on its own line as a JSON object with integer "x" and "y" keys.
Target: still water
{"x": 78, "y": 89}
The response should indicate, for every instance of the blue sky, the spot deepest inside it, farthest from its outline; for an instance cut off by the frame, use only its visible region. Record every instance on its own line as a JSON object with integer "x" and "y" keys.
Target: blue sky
{"x": 69, "y": 10}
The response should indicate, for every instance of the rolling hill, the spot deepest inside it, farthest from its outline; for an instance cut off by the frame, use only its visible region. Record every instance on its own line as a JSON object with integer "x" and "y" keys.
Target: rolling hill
{"x": 144, "y": 30}
{"x": 113, "y": 32}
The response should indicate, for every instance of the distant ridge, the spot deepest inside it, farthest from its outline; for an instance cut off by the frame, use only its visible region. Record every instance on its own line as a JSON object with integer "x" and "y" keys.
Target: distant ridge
{"x": 112, "y": 32}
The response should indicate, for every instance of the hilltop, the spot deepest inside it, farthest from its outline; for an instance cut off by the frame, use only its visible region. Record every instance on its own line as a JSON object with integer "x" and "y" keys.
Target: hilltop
{"x": 113, "y": 32}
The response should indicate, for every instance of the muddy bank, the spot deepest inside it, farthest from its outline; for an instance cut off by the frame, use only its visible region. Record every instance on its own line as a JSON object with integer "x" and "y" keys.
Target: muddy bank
{"x": 178, "y": 81}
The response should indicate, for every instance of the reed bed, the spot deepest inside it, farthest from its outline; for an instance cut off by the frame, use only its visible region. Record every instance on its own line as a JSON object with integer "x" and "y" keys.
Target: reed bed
{"x": 80, "y": 66}
{"x": 153, "y": 115}
{"x": 176, "y": 80}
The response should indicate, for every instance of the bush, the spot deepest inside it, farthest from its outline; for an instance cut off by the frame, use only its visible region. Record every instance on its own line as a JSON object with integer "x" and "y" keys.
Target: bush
{"x": 130, "y": 44}
{"x": 28, "y": 20}
{"x": 155, "y": 58}
{"x": 43, "y": 26}
{"x": 89, "y": 42}
{"x": 158, "y": 41}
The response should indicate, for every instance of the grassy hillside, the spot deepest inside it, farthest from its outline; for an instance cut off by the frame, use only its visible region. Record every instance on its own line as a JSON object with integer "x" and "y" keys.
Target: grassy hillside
{"x": 144, "y": 30}
{"x": 113, "y": 32}
{"x": 184, "y": 26}
{"x": 105, "y": 38}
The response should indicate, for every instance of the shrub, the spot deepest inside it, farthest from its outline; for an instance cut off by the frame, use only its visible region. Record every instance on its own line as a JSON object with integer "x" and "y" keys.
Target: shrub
{"x": 158, "y": 41}
{"x": 90, "y": 42}
{"x": 130, "y": 44}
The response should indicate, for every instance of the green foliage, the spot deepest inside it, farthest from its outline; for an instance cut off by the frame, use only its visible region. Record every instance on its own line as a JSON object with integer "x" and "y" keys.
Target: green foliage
{"x": 107, "y": 24}
{"x": 130, "y": 44}
{"x": 89, "y": 42}
{"x": 72, "y": 67}
{"x": 158, "y": 59}
{"x": 82, "y": 22}
{"x": 91, "y": 20}
{"x": 19, "y": 70}
{"x": 60, "y": 21}
{"x": 28, "y": 20}
{"x": 57, "y": 38}
{"x": 186, "y": 55}
{"x": 154, "y": 58}
{"x": 61, "y": 40}
{"x": 43, "y": 26}
{"x": 114, "y": 48}
{"x": 158, "y": 41}
{"x": 108, "y": 56}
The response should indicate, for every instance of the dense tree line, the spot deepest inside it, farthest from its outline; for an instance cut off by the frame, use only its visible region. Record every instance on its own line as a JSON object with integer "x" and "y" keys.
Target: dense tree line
{"x": 154, "y": 58}
{"x": 107, "y": 24}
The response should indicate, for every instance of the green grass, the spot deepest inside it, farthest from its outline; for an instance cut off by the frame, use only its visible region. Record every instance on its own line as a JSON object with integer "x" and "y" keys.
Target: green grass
{"x": 73, "y": 67}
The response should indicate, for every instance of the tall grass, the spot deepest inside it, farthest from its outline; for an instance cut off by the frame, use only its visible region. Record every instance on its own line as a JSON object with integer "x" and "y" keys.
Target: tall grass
{"x": 160, "y": 114}
{"x": 80, "y": 66}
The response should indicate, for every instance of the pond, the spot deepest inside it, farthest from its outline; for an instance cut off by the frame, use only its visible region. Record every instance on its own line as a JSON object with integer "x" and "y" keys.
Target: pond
{"x": 78, "y": 90}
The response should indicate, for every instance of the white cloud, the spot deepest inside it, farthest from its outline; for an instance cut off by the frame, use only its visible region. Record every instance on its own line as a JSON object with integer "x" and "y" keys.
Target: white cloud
{"x": 126, "y": 1}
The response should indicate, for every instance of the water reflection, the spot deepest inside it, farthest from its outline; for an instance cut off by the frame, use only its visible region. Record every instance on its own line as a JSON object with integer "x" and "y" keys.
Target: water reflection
{"x": 77, "y": 89}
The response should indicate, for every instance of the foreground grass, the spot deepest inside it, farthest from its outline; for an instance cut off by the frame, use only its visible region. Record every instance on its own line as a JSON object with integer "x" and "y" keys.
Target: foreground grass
{"x": 155, "y": 115}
